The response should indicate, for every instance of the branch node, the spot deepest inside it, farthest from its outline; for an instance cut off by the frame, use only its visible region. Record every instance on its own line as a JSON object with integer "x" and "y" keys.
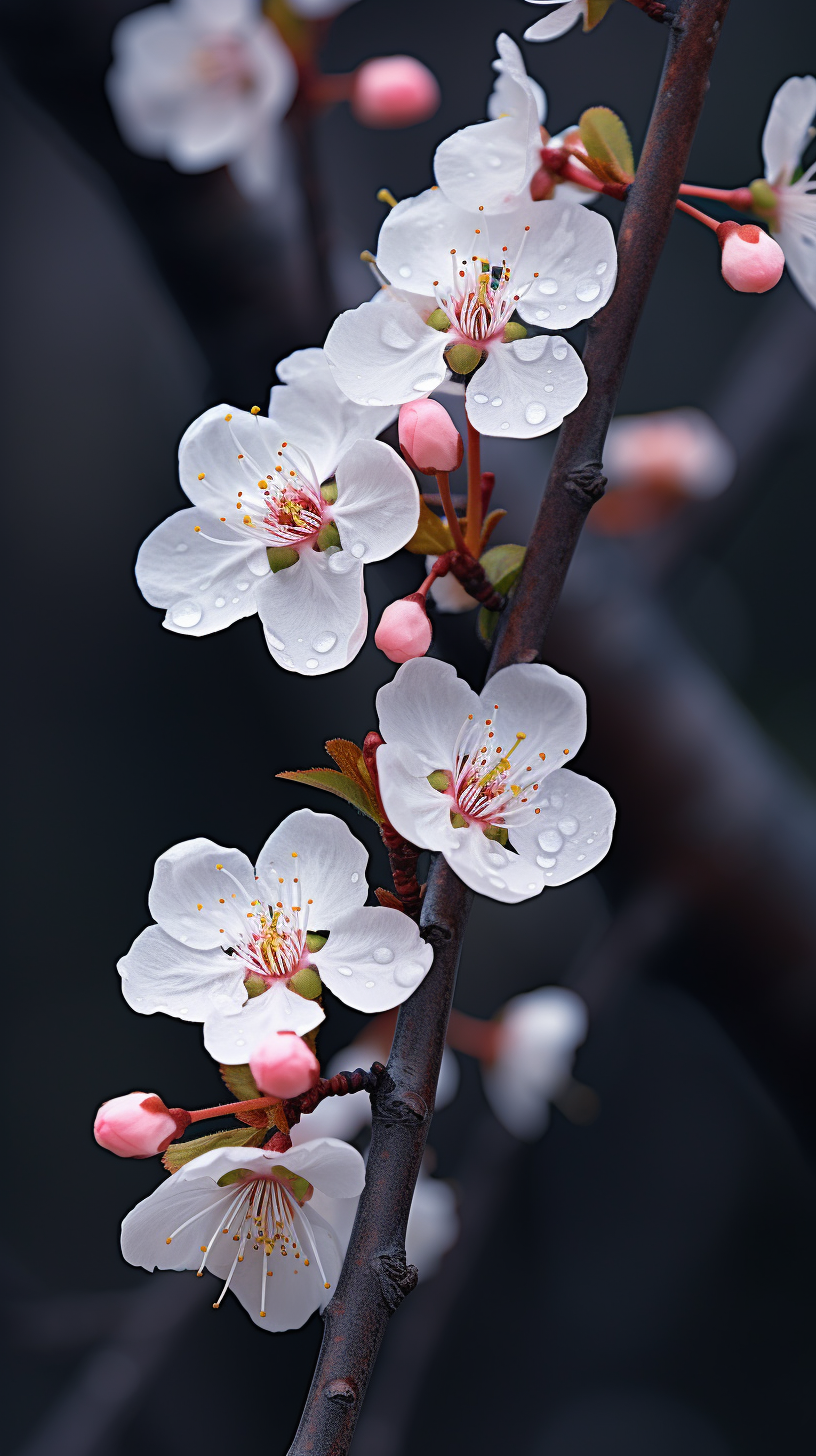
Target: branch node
{"x": 389, "y": 1105}
{"x": 396, "y": 1277}
{"x": 341, "y": 1392}
{"x": 586, "y": 483}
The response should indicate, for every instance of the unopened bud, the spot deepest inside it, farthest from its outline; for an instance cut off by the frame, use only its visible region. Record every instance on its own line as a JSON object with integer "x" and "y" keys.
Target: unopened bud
{"x": 405, "y": 630}
{"x": 394, "y": 91}
{"x": 137, "y": 1125}
{"x": 428, "y": 438}
{"x": 283, "y": 1065}
{"x": 279, "y": 557}
{"x": 752, "y": 262}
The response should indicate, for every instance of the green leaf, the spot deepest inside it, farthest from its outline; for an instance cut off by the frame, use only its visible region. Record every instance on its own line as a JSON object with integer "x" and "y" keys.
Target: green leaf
{"x": 240, "y": 1082}
{"x": 608, "y": 146}
{"x": 502, "y": 565}
{"x": 432, "y": 536}
{"x": 239, "y": 1137}
{"x": 334, "y": 783}
{"x": 595, "y": 12}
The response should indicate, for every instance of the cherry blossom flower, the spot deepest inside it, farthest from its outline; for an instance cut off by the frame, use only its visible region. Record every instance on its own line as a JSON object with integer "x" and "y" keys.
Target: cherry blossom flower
{"x": 538, "y": 1035}
{"x": 480, "y": 777}
{"x": 204, "y": 83}
{"x": 234, "y": 947}
{"x": 468, "y": 274}
{"x": 267, "y": 1223}
{"x": 558, "y": 21}
{"x": 286, "y": 512}
{"x": 787, "y": 198}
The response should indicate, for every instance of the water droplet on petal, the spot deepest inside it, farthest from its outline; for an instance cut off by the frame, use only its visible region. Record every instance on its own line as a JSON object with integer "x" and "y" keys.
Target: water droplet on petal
{"x": 496, "y": 858}
{"x": 557, "y": 801}
{"x": 275, "y": 641}
{"x": 240, "y": 1041}
{"x": 505, "y": 426}
{"x": 382, "y": 955}
{"x": 242, "y": 585}
{"x": 532, "y": 885}
{"x": 550, "y": 841}
{"x": 601, "y": 268}
{"x": 325, "y": 642}
{"x": 344, "y": 971}
{"x": 220, "y": 601}
{"x": 405, "y": 271}
{"x": 587, "y": 291}
{"x": 494, "y": 161}
{"x": 535, "y": 413}
{"x": 548, "y": 285}
{"x": 427, "y": 383}
{"x": 358, "y": 549}
{"x": 560, "y": 351}
{"x": 408, "y": 975}
{"x": 542, "y": 313}
{"x": 480, "y": 398}
{"x": 497, "y": 883}
{"x": 369, "y": 985}
{"x": 580, "y": 857}
{"x": 355, "y": 877}
{"x": 568, "y": 826}
{"x": 496, "y": 402}
{"x": 549, "y": 388}
{"x": 312, "y": 662}
{"x": 185, "y": 614}
{"x": 203, "y": 585}
{"x": 546, "y": 864}
{"x": 182, "y": 546}
{"x": 340, "y": 561}
{"x": 374, "y": 400}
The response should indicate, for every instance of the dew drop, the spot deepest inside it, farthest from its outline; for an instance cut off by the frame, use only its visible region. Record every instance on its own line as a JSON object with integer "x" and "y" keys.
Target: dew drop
{"x": 203, "y": 585}
{"x": 532, "y": 885}
{"x": 374, "y": 400}
{"x": 220, "y": 601}
{"x": 560, "y": 351}
{"x": 562, "y": 307}
{"x": 549, "y": 388}
{"x": 369, "y": 985}
{"x": 505, "y": 426}
{"x": 242, "y": 585}
{"x": 495, "y": 858}
{"x": 182, "y": 546}
{"x": 546, "y": 864}
{"x": 287, "y": 662}
{"x": 496, "y": 401}
{"x": 325, "y": 642}
{"x": 358, "y": 549}
{"x": 548, "y": 285}
{"x": 557, "y": 801}
{"x": 240, "y": 1041}
{"x": 344, "y": 971}
{"x": 580, "y": 857}
{"x": 542, "y": 313}
{"x": 186, "y": 614}
{"x": 427, "y": 383}
{"x": 497, "y": 883}
{"x": 340, "y": 562}
{"x": 600, "y": 268}
{"x": 535, "y": 413}
{"x": 235, "y": 601}
{"x": 568, "y": 826}
{"x": 587, "y": 291}
{"x": 550, "y": 841}
{"x": 312, "y": 662}
{"x": 480, "y": 398}
{"x": 408, "y": 975}
{"x": 405, "y": 271}
{"x": 382, "y": 955}
{"x": 275, "y": 641}
{"x": 494, "y": 161}
{"x": 355, "y": 877}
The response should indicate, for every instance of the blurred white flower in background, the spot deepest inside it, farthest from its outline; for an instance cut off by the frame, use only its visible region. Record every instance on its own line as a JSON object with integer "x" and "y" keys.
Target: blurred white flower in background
{"x": 558, "y": 21}
{"x": 537, "y": 1038}
{"x": 788, "y": 195}
{"x": 654, "y": 463}
{"x": 204, "y": 83}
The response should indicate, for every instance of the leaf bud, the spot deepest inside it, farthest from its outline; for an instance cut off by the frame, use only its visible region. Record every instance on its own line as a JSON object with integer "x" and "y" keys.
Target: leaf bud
{"x": 283, "y": 1065}
{"x": 428, "y": 438}
{"x": 405, "y": 630}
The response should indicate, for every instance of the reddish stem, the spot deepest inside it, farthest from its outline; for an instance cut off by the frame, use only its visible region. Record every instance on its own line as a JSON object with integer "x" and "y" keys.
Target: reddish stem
{"x": 227, "y": 1108}
{"x": 443, "y": 481}
{"x": 558, "y": 161}
{"x": 737, "y": 197}
{"x": 700, "y": 216}
{"x": 474, "y": 506}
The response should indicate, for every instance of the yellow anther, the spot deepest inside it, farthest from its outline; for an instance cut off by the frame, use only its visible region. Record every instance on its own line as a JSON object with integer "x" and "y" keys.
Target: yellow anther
{"x": 199, "y": 907}
{"x": 385, "y": 196}
{"x": 219, "y": 867}
{"x": 201, "y": 474}
{"x": 227, "y": 417}
{"x": 256, "y": 409}
{"x": 196, "y": 528}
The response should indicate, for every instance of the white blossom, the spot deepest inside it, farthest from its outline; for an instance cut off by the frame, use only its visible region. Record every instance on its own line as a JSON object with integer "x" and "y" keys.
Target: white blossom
{"x": 537, "y": 1038}
{"x": 788, "y": 131}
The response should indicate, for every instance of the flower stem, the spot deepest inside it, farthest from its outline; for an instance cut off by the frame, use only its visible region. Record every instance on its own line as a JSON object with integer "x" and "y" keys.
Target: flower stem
{"x": 737, "y": 197}
{"x": 474, "y": 495}
{"x": 700, "y": 216}
{"x": 226, "y": 1109}
{"x": 453, "y": 520}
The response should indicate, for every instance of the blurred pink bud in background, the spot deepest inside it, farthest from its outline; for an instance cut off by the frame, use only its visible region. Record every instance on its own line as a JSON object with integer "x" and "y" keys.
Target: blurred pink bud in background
{"x": 752, "y": 262}
{"x": 137, "y": 1125}
{"x": 654, "y": 463}
{"x": 405, "y": 630}
{"x": 283, "y": 1065}
{"x": 428, "y": 438}
{"x": 394, "y": 91}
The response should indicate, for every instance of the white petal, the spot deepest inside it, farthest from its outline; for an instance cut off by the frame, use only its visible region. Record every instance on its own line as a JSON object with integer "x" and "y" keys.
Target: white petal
{"x": 424, "y": 708}
{"x": 539, "y": 1033}
{"x": 225, "y": 460}
{"x": 377, "y": 507}
{"x": 418, "y": 812}
{"x": 556, "y": 23}
{"x": 491, "y": 870}
{"x": 525, "y": 389}
{"x": 572, "y": 833}
{"x": 311, "y": 410}
{"x": 206, "y": 578}
{"x": 231, "y": 1034}
{"x": 331, "y": 864}
{"x": 374, "y": 958}
{"x": 786, "y": 130}
{"x": 415, "y": 242}
{"x": 186, "y": 877}
{"x": 797, "y": 237}
{"x": 511, "y": 68}
{"x": 160, "y": 974}
{"x": 314, "y": 612}
{"x": 383, "y": 353}
{"x": 490, "y": 164}
{"x": 547, "y": 706}
{"x": 331, "y": 1165}
{"x": 572, "y": 251}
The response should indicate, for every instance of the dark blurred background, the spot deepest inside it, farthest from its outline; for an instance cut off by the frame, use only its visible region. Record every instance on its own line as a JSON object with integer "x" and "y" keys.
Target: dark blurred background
{"x": 644, "y": 1285}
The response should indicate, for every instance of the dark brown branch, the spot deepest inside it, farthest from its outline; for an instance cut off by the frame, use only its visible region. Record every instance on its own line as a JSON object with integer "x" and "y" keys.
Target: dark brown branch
{"x": 375, "y": 1277}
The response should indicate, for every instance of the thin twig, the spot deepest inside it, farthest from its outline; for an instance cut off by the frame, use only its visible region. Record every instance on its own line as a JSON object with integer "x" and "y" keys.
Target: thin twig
{"x": 375, "y": 1277}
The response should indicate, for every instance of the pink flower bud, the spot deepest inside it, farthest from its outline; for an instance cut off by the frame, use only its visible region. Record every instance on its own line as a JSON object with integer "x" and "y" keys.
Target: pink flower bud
{"x": 137, "y": 1125}
{"x": 394, "y": 91}
{"x": 405, "y": 629}
{"x": 752, "y": 262}
{"x": 283, "y": 1065}
{"x": 428, "y": 438}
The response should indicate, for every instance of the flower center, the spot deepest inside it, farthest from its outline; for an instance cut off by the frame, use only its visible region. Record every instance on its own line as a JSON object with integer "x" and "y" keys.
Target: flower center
{"x": 491, "y": 788}
{"x": 483, "y": 292}
{"x": 274, "y": 944}
{"x": 222, "y": 63}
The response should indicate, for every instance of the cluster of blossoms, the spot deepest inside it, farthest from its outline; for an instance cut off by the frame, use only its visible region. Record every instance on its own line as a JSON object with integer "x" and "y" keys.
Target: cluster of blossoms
{"x": 478, "y": 279}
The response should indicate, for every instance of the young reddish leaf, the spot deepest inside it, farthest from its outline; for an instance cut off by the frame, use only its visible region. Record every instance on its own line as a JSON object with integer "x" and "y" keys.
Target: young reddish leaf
{"x": 491, "y": 521}
{"x": 389, "y": 900}
{"x": 335, "y": 783}
{"x": 240, "y": 1082}
{"x": 238, "y": 1137}
{"x": 347, "y": 757}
